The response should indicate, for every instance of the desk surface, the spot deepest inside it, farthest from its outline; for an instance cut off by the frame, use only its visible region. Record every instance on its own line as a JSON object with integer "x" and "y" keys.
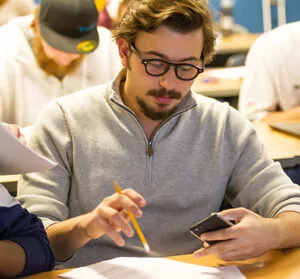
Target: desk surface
{"x": 273, "y": 265}
{"x": 219, "y": 82}
{"x": 9, "y": 178}
{"x": 236, "y": 43}
{"x": 281, "y": 146}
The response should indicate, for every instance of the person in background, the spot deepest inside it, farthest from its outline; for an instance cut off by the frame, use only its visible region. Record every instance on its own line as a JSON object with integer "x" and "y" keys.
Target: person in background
{"x": 57, "y": 51}
{"x": 271, "y": 88}
{"x": 179, "y": 152}
{"x": 10, "y": 9}
{"x": 112, "y": 13}
{"x": 24, "y": 246}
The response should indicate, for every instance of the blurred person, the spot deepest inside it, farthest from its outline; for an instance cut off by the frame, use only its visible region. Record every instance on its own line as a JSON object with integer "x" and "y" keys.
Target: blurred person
{"x": 57, "y": 51}
{"x": 10, "y": 9}
{"x": 112, "y": 13}
{"x": 271, "y": 87}
{"x": 270, "y": 91}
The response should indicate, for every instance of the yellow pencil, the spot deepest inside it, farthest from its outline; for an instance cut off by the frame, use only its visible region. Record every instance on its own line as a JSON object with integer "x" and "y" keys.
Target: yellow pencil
{"x": 134, "y": 222}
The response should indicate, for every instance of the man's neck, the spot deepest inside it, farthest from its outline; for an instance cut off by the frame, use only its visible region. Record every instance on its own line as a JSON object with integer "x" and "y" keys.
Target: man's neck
{"x": 149, "y": 125}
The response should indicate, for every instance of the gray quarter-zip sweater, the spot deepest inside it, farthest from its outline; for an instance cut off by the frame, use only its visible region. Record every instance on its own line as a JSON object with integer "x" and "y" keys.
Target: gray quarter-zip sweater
{"x": 204, "y": 153}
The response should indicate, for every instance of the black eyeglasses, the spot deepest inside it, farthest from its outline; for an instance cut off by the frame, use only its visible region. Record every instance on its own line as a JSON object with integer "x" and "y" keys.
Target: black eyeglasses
{"x": 158, "y": 67}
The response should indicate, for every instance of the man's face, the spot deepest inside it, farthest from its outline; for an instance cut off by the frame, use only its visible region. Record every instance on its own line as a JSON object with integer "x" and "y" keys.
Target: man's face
{"x": 158, "y": 97}
{"x": 51, "y": 66}
{"x": 59, "y": 57}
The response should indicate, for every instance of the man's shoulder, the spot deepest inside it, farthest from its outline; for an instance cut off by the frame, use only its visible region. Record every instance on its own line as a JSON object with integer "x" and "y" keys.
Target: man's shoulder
{"x": 84, "y": 97}
{"x": 103, "y": 31}
{"x": 208, "y": 102}
{"x": 275, "y": 39}
{"x": 13, "y": 36}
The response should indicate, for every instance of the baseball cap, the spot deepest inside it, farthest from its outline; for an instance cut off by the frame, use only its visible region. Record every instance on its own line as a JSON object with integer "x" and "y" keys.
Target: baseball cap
{"x": 69, "y": 25}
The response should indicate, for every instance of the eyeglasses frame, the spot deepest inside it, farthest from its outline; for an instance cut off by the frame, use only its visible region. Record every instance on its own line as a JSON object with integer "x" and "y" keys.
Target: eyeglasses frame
{"x": 144, "y": 61}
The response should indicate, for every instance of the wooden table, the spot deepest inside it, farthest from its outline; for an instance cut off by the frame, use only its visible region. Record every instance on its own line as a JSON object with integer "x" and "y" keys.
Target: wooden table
{"x": 236, "y": 43}
{"x": 219, "y": 82}
{"x": 272, "y": 265}
{"x": 9, "y": 178}
{"x": 281, "y": 146}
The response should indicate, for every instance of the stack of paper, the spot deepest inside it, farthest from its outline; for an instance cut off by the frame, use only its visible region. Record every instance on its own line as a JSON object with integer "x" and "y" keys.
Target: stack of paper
{"x": 16, "y": 157}
{"x": 151, "y": 268}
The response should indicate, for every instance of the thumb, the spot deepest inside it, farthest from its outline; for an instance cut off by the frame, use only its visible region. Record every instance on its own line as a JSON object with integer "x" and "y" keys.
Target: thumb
{"x": 234, "y": 213}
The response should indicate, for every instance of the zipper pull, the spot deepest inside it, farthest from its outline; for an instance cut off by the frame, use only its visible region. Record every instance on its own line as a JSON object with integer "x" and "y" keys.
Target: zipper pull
{"x": 150, "y": 149}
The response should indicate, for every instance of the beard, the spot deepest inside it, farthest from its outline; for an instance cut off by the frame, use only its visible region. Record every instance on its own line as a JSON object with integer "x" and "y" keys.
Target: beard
{"x": 163, "y": 114}
{"x": 48, "y": 65}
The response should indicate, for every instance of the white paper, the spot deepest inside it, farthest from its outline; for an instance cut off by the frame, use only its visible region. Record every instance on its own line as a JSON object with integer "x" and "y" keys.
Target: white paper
{"x": 17, "y": 158}
{"x": 151, "y": 268}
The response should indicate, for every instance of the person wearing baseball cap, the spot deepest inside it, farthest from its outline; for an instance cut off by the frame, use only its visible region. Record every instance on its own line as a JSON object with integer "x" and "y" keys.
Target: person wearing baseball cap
{"x": 24, "y": 246}
{"x": 69, "y": 27}
{"x": 56, "y": 51}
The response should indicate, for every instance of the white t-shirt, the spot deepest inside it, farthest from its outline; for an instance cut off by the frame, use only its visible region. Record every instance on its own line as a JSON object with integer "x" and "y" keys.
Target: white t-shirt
{"x": 272, "y": 78}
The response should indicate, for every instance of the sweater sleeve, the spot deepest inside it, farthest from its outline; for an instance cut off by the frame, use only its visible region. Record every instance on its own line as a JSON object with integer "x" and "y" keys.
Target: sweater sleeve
{"x": 256, "y": 181}
{"x": 25, "y": 229}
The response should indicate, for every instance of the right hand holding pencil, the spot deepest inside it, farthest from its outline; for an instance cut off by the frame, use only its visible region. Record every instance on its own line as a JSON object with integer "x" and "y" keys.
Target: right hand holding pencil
{"x": 110, "y": 217}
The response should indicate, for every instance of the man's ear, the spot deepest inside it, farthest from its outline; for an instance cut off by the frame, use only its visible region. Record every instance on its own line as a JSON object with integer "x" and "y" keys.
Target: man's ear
{"x": 124, "y": 51}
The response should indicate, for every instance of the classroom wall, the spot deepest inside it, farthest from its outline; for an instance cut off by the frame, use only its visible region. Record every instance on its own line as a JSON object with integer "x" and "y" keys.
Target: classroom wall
{"x": 249, "y": 13}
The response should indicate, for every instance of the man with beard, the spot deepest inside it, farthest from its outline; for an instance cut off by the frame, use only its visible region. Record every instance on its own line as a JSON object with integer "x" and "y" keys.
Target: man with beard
{"x": 57, "y": 51}
{"x": 180, "y": 152}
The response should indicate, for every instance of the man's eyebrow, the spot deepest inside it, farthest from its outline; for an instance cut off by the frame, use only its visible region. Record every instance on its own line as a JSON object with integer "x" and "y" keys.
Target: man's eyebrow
{"x": 191, "y": 58}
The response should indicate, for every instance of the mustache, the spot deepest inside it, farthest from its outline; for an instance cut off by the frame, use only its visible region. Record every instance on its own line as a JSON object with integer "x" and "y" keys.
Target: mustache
{"x": 173, "y": 94}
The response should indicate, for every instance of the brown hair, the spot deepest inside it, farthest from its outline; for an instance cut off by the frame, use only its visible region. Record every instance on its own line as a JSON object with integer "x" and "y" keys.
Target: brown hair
{"x": 179, "y": 15}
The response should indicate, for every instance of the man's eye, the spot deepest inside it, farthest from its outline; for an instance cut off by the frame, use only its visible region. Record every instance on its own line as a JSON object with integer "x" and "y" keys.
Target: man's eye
{"x": 186, "y": 68}
{"x": 157, "y": 64}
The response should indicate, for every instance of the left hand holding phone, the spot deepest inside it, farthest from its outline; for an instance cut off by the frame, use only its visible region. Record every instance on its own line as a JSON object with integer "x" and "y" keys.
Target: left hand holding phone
{"x": 252, "y": 236}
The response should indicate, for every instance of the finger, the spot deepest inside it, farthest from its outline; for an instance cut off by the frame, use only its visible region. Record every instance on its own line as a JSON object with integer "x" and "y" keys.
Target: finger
{"x": 22, "y": 136}
{"x": 205, "y": 244}
{"x": 115, "y": 218}
{"x": 223, "y": 234}
{"x": 123, "y": 202}
{"x": 125, "y": 215}
{"x": 14, "y": 129}
{"x": 218, "y": 249}
{"x": 234, "y": 213}
{"x": 111, "y": 232}
{"x": 135, "y": 196}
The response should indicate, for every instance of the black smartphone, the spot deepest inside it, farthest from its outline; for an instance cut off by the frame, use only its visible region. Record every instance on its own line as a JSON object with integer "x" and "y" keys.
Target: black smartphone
{"x": 211, "y": 223}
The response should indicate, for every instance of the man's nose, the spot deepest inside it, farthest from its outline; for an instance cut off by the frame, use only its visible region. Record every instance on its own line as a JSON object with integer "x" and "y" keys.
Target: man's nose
{"x": 169, "y": 79}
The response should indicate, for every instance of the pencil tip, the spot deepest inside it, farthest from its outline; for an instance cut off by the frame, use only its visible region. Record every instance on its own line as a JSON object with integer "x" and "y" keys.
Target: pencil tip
{"x": 147, "y": 248}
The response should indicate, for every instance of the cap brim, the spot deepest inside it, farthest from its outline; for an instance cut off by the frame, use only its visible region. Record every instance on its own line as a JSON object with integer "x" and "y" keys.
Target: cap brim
{"x": 84, "y": 44}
